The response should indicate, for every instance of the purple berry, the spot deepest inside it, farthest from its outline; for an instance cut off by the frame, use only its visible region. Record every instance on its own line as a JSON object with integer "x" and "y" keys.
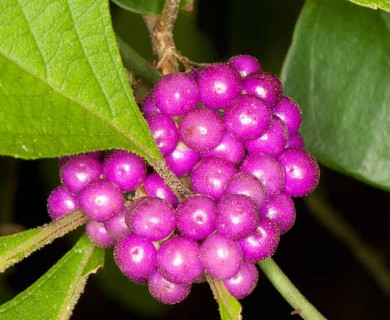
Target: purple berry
{"x": 98, "y": 234}
{"x": 201, "y": 129}
{"x": 295, "y": 141}
{"x": 164, "y": 132}
{"x": 272, "y": 141}
{"x": 267, "y": 169}
{"x": 116, "y": 226}
{"x": 124, "y": 168}
{"x": 195, "y": 216}
{"x": 178, "y": 260}
{"x": 236, "y": 216}
{"x": 176, "y": 94}
{"x": 247, "y": 184}
{"x": 219, "y": 84}
{"x": 166, "y": 291}
{"x": 262, "y": 243}
{"x": 264, "y": 85}
{"x": 245, "y": 64}
{"x": 79, "y": 170}
{"x": 155, "y": 186}
{"x": 135, "y": 257}
{"x": 247, "y": 117}
{"x": 229, "y": 148}
{"x": 182, "y": 160}
{"x": 99, "y": 155}
{"x": 61, "y": 202}
{"x": 221, "y": 257}
{"x": 210, "y": 175}
{"x": 153, "y": 219}
{"x": 281, "y": 210}
{"x": 301, "y": 172}
{"x": 101, "y": 200}
{"x": 290, "y": 113}
{"x": 149, "y": 106}
{"x": 243, "y": 283}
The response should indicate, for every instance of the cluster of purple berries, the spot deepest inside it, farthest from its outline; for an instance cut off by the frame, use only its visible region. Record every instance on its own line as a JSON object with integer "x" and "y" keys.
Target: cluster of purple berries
{"x": 226, "y": 130}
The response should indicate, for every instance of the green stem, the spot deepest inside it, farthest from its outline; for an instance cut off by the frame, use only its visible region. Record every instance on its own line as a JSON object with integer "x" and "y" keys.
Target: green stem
{"x": 289, "y": 292}
{"x": 134, "y": 61}
{"x": 16, "y": 247}
{"x": 368, "y": 257}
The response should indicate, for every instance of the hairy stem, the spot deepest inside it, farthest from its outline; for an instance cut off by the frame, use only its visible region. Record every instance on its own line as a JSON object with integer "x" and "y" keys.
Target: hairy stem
{"x": 160, "y": 29}
{"x": 37, "y": 238}
{"x": 368, "y": 257}
{"x": 289, "y": 292}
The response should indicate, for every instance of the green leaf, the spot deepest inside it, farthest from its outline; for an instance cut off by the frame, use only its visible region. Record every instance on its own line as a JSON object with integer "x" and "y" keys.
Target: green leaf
{"x": 18, "y": 246}
{"x": 149, "y": 6}
{"x": 229, "y": 307}
{"x": 378, "y": 4}
{"x": 55, "y": 294}
{"x": 63, "y": 88}
{"x": 337, "y": 69}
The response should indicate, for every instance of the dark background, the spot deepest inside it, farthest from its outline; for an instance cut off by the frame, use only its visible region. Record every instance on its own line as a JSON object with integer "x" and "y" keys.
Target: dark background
{"x": 319, "y": 265}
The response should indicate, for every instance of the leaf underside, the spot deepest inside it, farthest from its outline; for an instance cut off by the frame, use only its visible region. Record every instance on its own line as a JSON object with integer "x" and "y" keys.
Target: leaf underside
{"x": 378, "y": 4}
{"x": 337, "y": 69}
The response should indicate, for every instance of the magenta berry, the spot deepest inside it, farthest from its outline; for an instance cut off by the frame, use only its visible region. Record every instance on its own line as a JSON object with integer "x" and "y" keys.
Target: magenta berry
{"x": 219, "y": 84}
{"x": 247, "y": 184}
{"x": 178, "y": 260}
{"x": 79, "y": 170}
{"x": 221, "y": 257}
{"x": 195, "y": 216}
{"x": 201, "y": 129}
{"x": 124, "y": 168}
{"x": 176, "y": 94}
{"x": 229, "y": 148}
{"x": 295, "y": 141}
{"x": 101, "y": 200}
{"x": 153, "y": 219}
{"x": 155, "y": 186}
{"x": 164, "y": 132}
{"x": 135, "y": 257}
{"x": 166, "y": 291}
{"x": 267, "y": 169}
{"x": 236, "y": 216}
{"x": 281, "y": 210}
{"x": 290, "y": 113}
{"x": 98, "y": 234}
{"x": 244, "y": 281}
{"x": 148, "y": 106}
{"x": 301, "y": 172}
{"x": 247, "y": 117}
{"x": 261, "y": 244}
{"x": 264, "y": 85}
{"x": 182, "y": 160}
{"x": 61, "y": 202}
{"x": 273, "y": 141}
{"x": 210, "y": 175}
{"x": 245, "y": 64}
{"x": 116, "y": 226}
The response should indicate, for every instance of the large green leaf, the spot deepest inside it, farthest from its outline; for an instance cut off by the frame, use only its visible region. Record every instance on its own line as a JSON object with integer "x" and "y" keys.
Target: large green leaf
{"x": 148, "y": 6}
{"x": 378, "y": 4}
{"x": 338, "y": 69}
{"x": 63, "y": 88}
{"x": 55, "y": 294}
